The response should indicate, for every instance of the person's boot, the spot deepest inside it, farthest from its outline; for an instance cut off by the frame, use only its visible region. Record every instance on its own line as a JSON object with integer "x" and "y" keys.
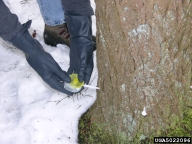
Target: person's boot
{"x": 54, "y": 35}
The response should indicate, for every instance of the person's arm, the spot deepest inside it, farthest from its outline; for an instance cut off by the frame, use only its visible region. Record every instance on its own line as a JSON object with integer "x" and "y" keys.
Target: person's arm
{"x": 41, "y": 61}
{"x": 78, "y": 19}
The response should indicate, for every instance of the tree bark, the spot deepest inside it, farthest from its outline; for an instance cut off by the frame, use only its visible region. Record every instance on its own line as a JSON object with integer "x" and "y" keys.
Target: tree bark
{"x": 144, "y": 51}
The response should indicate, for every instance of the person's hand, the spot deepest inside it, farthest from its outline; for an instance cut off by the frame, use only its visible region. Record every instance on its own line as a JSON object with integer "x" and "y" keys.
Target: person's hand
{"x": 81, "y": 46}
{"x": 49, "y": 70}
{"x": 81, "y": 61}
{"x": 41, "y": 61}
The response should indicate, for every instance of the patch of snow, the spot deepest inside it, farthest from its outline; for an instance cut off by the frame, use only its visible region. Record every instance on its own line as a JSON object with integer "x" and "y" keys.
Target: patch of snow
{"x": 144, "y": 113}
{"x": 31, "y": 111}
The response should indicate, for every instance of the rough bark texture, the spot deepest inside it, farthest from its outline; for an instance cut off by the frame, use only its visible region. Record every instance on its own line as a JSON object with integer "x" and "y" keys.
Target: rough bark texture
{"x": 144, "y": 51}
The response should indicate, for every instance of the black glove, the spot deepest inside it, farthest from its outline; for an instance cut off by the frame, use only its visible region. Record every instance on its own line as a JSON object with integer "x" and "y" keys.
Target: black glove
{"x": 81, "y": 46}
{"x": 41, "y": 61}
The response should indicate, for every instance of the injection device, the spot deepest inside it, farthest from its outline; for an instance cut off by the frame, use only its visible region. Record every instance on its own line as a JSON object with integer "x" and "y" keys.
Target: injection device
{"x": 75, "y": 86}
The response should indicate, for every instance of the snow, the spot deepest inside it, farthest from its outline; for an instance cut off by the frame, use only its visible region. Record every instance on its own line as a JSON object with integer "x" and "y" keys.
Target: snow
{"x": 144, "y": 113}
{"x": 31, "y": 111}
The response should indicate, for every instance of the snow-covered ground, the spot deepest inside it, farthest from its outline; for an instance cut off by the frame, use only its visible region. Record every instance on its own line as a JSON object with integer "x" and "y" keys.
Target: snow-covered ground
{"x": 30, "y": 111}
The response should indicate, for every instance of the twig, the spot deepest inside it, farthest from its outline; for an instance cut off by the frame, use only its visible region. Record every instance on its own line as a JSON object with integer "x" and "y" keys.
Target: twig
{"x": 25, "y": 1}
{"x": 58, "y": 101}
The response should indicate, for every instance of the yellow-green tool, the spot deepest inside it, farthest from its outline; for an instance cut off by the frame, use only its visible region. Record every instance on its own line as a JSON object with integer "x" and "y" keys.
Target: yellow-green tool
{"x": 75, "y": 86}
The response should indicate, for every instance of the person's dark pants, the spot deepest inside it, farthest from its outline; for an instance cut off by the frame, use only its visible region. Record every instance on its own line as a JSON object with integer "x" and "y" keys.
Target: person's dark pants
{"x": 10, "y": 26}
{"x": 80, "y": 7}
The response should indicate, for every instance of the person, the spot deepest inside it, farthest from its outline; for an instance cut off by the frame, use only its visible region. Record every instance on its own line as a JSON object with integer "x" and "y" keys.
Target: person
{"x": 75, "y": 21}
{"x": 56, "y": 31}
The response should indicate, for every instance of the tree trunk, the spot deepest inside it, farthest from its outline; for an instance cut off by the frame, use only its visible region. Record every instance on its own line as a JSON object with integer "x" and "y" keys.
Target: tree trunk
{"x": 144, "y": 51}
